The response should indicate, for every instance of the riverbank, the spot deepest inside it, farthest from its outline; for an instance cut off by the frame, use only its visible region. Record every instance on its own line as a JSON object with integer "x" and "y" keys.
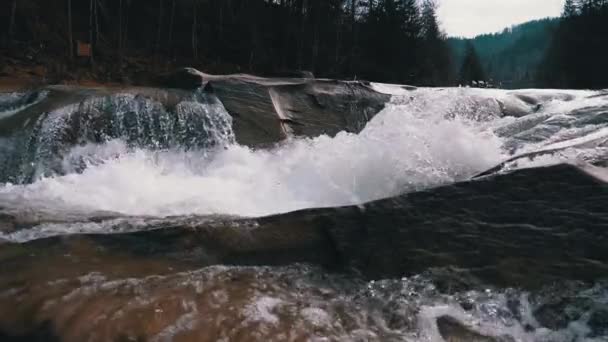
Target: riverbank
{"x": 25, "y": 67}
{"x": 20, "y": 73}
{"x": 16, "y": 76}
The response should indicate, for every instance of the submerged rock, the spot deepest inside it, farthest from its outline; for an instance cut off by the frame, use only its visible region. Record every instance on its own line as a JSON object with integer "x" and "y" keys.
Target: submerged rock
{"x": 516, "y": 108}
{"x": 599, "y": 322}
{"x": 556, "y": 315}
{"x": 453, "y": 331}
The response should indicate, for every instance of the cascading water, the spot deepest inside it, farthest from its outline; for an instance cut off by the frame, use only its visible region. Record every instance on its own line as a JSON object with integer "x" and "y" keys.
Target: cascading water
{"x": 184, "y": 161}
{"x": 128, "y": 163}
{"x": 192, "y": 165}
{"x": 199, "y": 122}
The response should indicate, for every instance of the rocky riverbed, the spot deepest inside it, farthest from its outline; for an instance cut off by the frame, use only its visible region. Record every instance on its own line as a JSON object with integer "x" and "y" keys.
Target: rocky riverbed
{"x": 242, "y": 208}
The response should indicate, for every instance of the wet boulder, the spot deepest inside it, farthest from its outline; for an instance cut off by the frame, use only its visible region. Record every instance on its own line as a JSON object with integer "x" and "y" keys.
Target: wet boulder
{"x": 515, "y": 107}
{"x": 185, "y": 78}
{"x": 556, "y": 315}
{"x": 268, "y": 110}
{"x": 598, "y": 322}
{"x": 454, "y": 331}
{"x": 294, "y": 74}
{"x": 405, "y": 235}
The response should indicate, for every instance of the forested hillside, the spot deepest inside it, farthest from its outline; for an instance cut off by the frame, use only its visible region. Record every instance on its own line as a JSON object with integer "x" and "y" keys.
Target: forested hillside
{"x": 510, "y": 58}
{"x": 396, "y": 41}
{"x": 566, "y": 52}
{"x": 384, "y": 40}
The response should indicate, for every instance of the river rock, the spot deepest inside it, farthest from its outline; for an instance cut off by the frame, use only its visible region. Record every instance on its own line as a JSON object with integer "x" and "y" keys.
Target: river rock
{"x": 269, "y": 110}
{"x": 599, "y": 322}
{"x": 396, "y": 237}
{"x": 185, "y": 78}
{"x": 501, "y": 231}
{"x": 515, "y": 107}
{"x": 454, "y": 331}
{"x": 294, "y": 74}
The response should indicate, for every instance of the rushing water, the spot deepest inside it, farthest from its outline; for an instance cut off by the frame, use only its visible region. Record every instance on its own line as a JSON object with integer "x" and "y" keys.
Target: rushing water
{"x": 402, "y": 149}
{"x": 124, "y": 156}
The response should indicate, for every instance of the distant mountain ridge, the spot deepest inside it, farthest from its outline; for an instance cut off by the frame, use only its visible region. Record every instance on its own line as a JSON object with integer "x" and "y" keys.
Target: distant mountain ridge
{"x": 510, "y": 58}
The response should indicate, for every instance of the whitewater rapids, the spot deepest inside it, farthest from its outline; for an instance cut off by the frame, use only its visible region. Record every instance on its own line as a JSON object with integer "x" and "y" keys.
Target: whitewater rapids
{"x": 133, "y": 237}
{"x": 409, "y": 146}
{"x": 422, "y": 139}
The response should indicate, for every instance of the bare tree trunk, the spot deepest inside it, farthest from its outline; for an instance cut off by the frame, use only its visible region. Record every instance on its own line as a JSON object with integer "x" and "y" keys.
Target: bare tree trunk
{"x": 11, "y": 25}
{"x": 96, "y": 23}
{"x": 316, "y": 9}
{"x": 220, "y": 34}
{"x": 91, "y": 10}
{"x": 125, "y": 37}
{"x": 171, "y": 23}
{"x": 120, "y": 31}
{"x": 194, "y": 32}
{"x": 286, "y": 32}
{"x": 353, "y": 22}
{"x": 253, "y": 29}
{"x": 160, "y": 25}
{"x": 70, "y": 32}
{"x": 301, "y": 5}
{"x": 338, "y": 38}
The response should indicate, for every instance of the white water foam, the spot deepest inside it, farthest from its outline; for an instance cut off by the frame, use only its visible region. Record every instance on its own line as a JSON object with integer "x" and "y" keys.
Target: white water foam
{"x": 409, "y": 146}
{"x": 426, "y": 138}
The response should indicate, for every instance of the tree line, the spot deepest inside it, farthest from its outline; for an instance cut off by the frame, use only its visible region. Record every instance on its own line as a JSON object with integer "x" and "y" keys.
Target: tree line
{"x": 578, "y": 55}
{"x": 397, "y": 41}
{"x": 384, "y": 40}
{"x": 568, "y": 52}
{"x": 509, "y": 58}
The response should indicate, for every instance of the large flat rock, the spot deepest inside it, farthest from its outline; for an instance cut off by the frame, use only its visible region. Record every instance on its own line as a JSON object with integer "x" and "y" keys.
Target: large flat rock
{"x": 269, "y": 110}
{"x": 264, "y": 110}
{"x": 525, "y": 229}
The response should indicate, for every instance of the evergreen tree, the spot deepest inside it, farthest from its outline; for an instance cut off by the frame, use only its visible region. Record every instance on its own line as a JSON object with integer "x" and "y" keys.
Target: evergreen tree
{"x": 579, "y": 50}
{"x": 471, "y": 70}
{"x": 435, "y": 60}
{"x": 382, "y": 40}
{"x": 570, "y": 9}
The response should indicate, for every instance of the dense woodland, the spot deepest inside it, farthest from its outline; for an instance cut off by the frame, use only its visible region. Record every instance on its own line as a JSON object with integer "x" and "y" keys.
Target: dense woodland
{"x": 383, "y": 40}
{"x": 387, "y": 40}
{"x": 578, "y": 55}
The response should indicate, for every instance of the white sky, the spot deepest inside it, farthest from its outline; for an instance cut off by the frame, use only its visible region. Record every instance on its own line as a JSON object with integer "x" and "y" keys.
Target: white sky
{"x": 468, "y": 18}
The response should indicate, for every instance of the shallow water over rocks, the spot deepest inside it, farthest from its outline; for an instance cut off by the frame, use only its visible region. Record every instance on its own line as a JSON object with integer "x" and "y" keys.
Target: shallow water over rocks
{"x": 156, "y": 215}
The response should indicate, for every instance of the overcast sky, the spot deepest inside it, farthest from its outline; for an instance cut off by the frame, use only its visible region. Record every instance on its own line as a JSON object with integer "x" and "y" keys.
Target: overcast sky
{"x": 469, "y": 18}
